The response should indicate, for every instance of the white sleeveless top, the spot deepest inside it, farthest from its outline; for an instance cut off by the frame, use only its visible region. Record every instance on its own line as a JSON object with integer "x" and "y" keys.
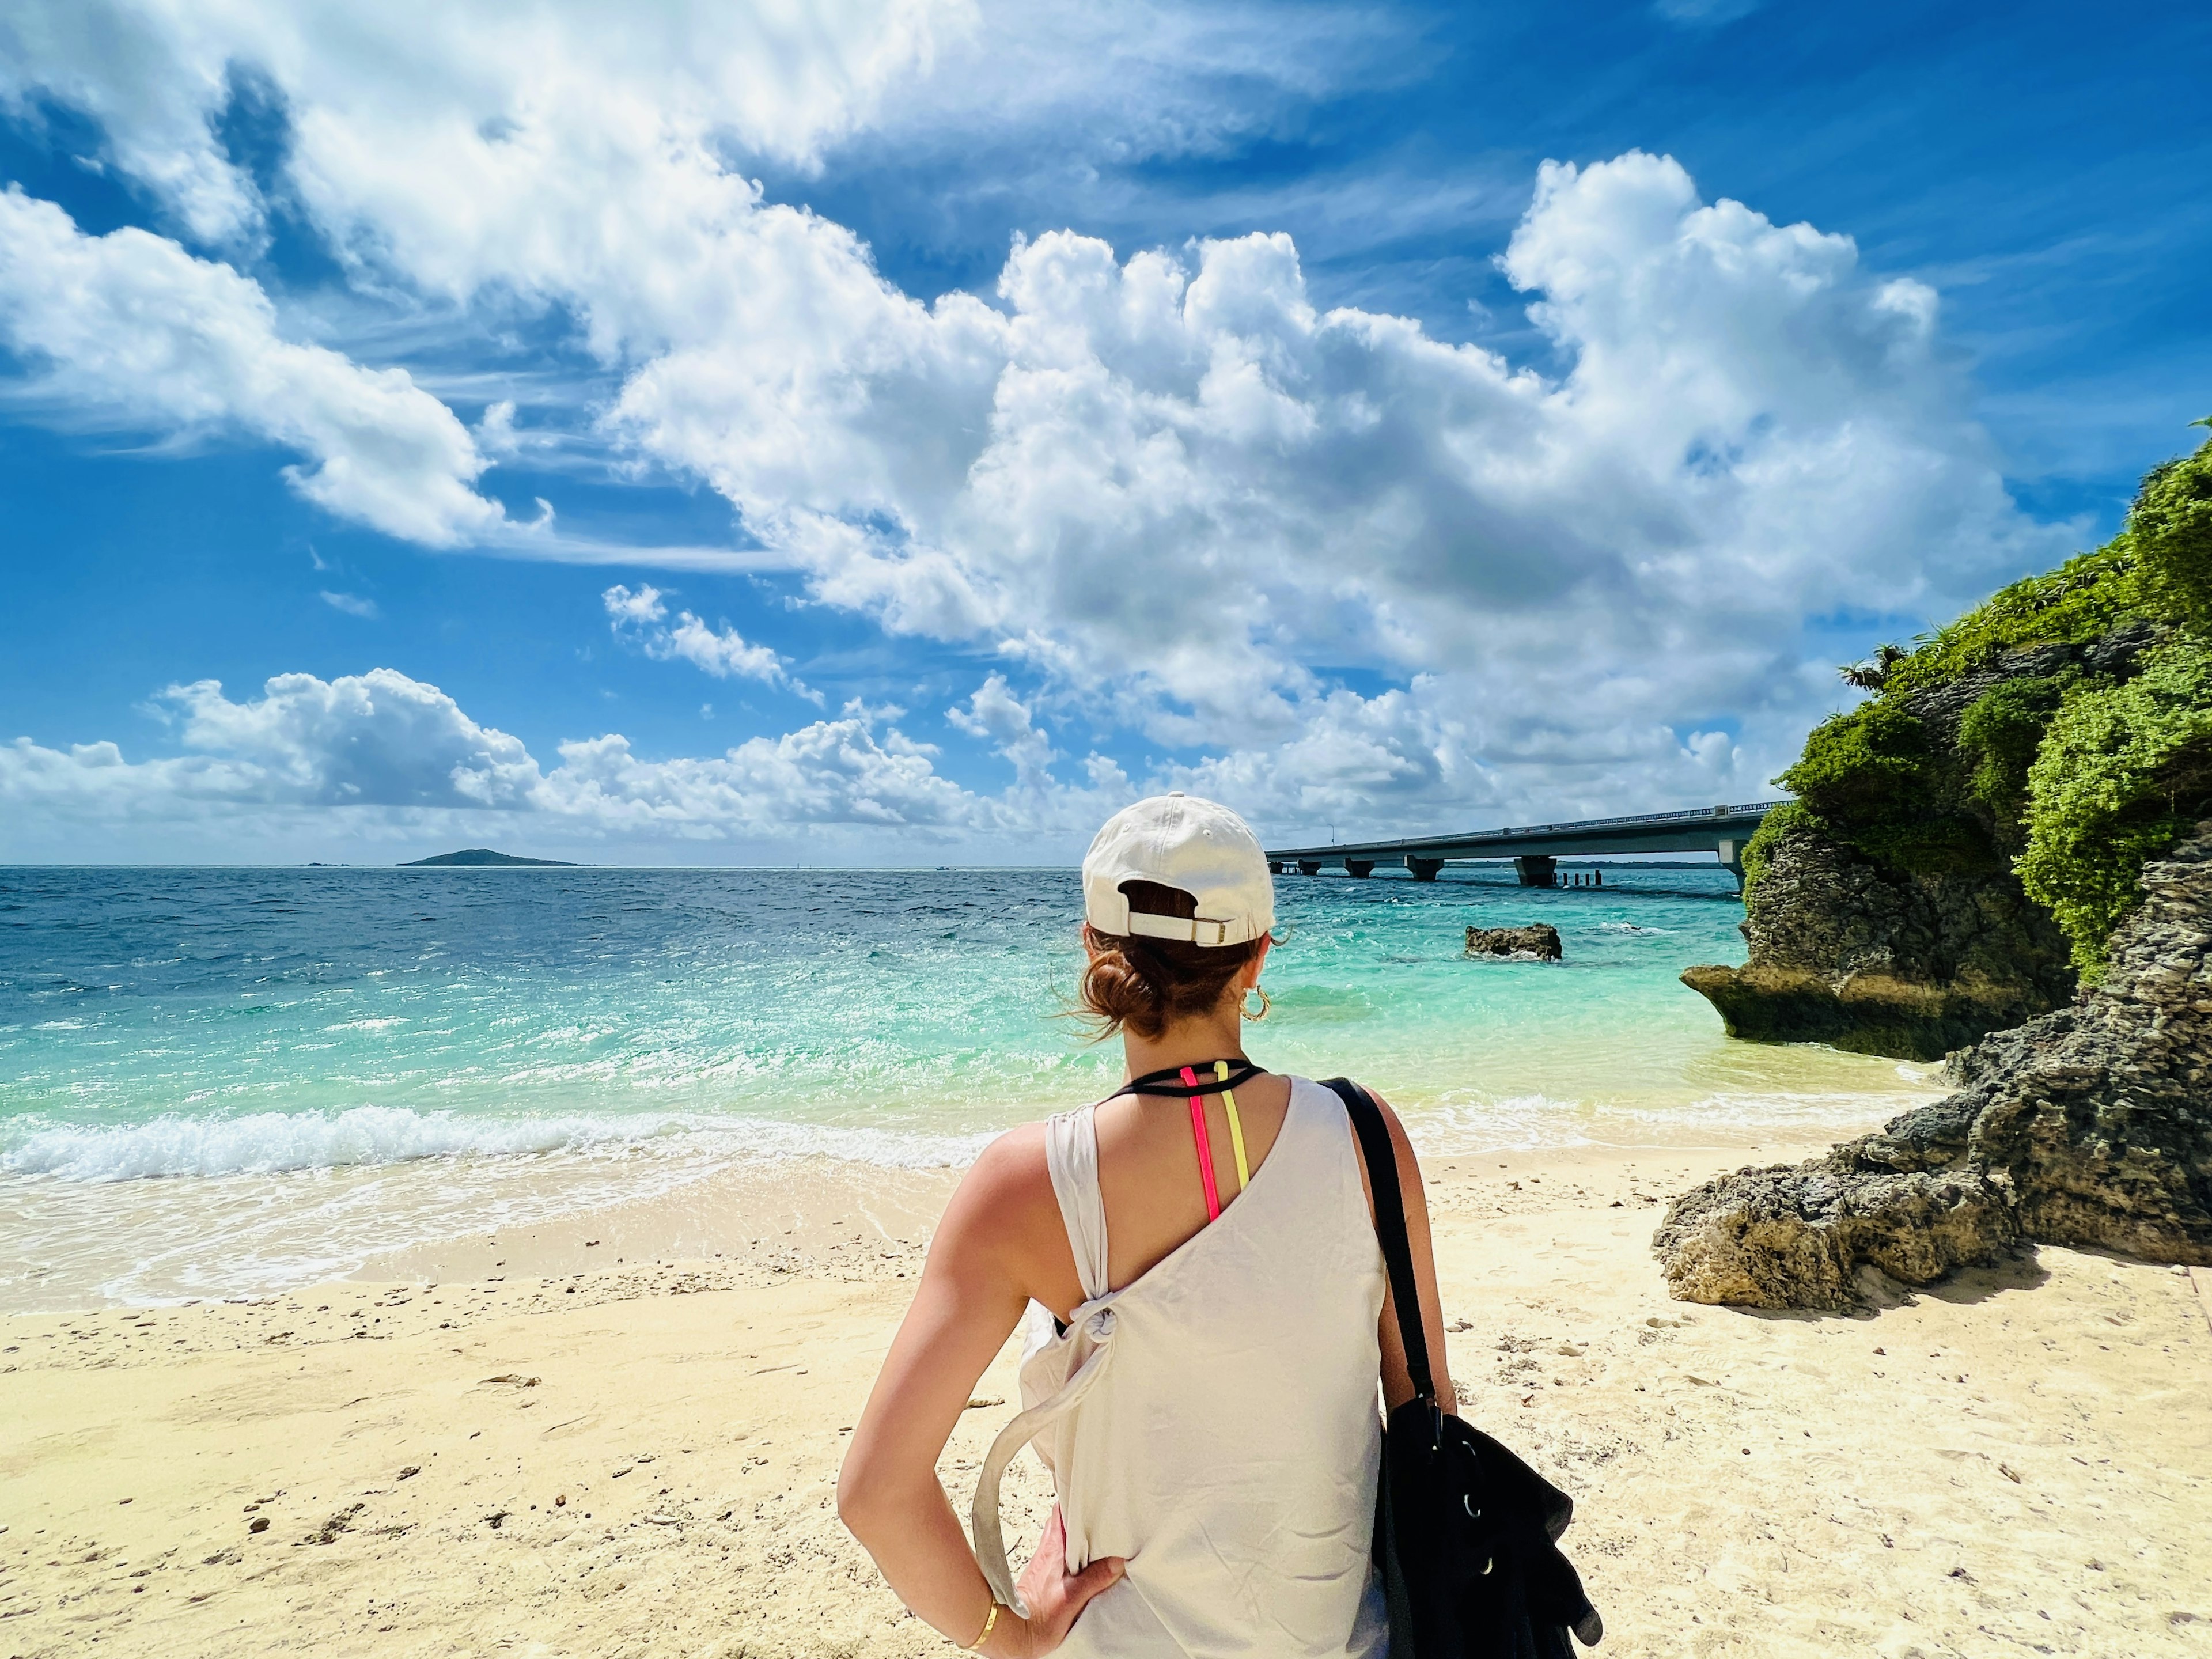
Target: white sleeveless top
{"x": 1216, "y": 1422}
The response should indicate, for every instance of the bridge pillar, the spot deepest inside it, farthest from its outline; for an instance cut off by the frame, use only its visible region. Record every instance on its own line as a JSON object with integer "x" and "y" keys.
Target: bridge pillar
{"x": 1424, "y": 869}
{"x": 1274, "y": 866}
{"x": 1359, "y": 868}
{"x": 1538, "y": 870}
{"x": 1731, "y": 854}
{"x": 1309, "y": 866}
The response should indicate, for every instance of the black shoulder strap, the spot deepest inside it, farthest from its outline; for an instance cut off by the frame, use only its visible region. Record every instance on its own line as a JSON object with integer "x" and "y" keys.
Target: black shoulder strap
{"x": 1391, "y": 1226}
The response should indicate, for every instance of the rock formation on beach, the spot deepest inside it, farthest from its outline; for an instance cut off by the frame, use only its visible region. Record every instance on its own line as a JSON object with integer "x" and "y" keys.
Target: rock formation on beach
{"x": 1539, "y": 942}
{"x": 1964, "y": 842}
{"x": 2009, "y": 846}
{"x": 2089, "y": 1125}
{"x": 1848, "y": 951}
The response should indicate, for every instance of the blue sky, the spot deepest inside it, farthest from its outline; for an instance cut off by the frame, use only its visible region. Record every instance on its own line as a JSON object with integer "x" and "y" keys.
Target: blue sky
{"x": 902, "y": 432}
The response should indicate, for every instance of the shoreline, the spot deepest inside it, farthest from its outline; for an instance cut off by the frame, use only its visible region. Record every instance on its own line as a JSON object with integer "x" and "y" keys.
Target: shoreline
{"x": 2022, "y": 1456}
{"x": 168, "y": 1240}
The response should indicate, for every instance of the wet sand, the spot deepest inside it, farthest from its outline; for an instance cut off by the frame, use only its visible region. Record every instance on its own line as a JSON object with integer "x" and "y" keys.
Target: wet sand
{"x": 549, "y": 1450}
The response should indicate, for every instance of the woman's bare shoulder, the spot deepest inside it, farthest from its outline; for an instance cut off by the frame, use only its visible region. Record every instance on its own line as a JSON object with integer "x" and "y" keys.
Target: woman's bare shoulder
{"x": 1005, "y": 1203}
{"x": 1012, "y": 1166}
{"x": 1398, "y": 1138}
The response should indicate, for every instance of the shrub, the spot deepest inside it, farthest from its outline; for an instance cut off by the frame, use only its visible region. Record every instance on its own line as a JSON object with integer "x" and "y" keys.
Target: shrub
{"x": 1789, "y": 818}
{"x": 2005, "y": 725}
{"x": 1874, "y": 780}
{"x": 2124, "y": 772}
{"x": 2171, "y": 525}
{"x": 2093, "y": 778}
{"x": 1941, "y": 844}
{"x": 2070, "y": 605}
{"x": 1863, "y": 765}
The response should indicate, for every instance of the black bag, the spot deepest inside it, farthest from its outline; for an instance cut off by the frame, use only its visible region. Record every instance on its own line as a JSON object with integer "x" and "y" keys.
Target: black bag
{"x": 1466, "y": 1533}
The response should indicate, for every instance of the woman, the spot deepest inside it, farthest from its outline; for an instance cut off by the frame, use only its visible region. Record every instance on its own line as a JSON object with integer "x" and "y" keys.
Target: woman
{"x": 1209, "y": 1315}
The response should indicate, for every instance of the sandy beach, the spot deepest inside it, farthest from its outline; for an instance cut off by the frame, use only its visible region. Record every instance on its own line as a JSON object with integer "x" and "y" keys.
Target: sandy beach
{"x": 521, "y": 1443}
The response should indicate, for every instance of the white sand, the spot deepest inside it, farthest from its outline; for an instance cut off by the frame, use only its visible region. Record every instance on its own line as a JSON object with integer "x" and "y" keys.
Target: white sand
{"x": 2019, "y": 1462}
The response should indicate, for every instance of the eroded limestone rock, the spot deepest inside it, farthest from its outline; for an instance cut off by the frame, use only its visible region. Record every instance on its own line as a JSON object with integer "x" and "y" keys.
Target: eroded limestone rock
{"x": 2090, "y": 1125}
{"x": 1540, "y": 941}
{"x": 1914, "y": 955}
{"x": 1846, "y": 952}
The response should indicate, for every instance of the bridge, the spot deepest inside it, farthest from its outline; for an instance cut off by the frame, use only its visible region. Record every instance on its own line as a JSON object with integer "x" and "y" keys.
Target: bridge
{"x": 1536, "y": 848}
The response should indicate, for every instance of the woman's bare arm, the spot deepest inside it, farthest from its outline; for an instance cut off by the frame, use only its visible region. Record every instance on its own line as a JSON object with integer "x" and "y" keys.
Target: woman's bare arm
{"x": 970, "y": 1297}
{"x": 1397, "y": 1385}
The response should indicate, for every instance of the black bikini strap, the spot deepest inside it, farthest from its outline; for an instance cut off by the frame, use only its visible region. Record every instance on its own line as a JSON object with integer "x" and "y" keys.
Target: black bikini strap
{"x": 1169, "y": 1081}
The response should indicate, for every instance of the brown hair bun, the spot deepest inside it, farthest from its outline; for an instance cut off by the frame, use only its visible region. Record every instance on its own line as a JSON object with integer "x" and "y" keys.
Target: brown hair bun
{"x": 1146, "y": 985}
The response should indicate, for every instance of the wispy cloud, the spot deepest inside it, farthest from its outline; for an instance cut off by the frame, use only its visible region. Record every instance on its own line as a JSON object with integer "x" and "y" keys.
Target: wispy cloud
{"x": 1704, "y": 14}
{"x": 352, "y": 603}
{"x": 642, "y": 617}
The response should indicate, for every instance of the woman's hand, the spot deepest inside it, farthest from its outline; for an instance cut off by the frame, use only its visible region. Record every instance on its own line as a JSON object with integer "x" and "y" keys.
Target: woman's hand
{"x": 1055, "y": 1595}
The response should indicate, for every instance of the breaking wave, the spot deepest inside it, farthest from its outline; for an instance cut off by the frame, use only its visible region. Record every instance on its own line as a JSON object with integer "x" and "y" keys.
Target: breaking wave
{"x": 268, "y": 1143}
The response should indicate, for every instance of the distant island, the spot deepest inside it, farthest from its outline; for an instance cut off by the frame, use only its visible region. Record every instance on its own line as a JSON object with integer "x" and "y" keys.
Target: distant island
{"x": 481, "y": 855}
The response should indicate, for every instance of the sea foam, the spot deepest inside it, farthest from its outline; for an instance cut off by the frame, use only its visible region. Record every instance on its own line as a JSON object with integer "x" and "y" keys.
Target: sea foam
{"x": 268, "y": 1143}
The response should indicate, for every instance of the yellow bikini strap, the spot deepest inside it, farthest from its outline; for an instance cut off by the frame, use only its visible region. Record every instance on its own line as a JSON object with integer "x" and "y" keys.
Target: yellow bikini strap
{"x": 1236, "y": 1127}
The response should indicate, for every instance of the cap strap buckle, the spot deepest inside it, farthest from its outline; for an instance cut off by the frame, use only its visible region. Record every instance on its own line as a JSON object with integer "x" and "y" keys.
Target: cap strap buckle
{"x": 1193, "y": 930}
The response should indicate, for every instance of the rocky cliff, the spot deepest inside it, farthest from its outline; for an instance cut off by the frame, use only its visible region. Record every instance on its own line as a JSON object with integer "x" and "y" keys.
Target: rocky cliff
{"x": 1847, "y": 949}
{"x": 1925, "y": 949}
{"x": 2088, "y": 1124}
{"x": 1964, "y": 842}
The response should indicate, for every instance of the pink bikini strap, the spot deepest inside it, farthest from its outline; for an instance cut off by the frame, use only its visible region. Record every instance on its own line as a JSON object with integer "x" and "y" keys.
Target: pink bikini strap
{"x": 1205, "y": 1146}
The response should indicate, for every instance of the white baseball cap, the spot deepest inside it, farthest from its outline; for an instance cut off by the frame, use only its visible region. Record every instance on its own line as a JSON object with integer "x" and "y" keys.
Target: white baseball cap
{"x": 1179, "y": 840}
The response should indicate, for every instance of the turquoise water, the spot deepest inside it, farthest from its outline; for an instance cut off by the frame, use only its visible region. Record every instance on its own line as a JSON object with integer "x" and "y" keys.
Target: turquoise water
{"x": 234, "y": 1030}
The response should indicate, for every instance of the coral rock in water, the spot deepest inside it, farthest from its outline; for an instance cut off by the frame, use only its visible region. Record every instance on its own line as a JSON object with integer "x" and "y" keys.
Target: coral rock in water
{"x": 2091, "y": 1125}
{"x": 1540, "y": 941}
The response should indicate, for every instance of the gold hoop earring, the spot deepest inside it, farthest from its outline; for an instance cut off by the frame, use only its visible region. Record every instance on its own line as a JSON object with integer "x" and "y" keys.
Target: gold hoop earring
{"x": 1266, "y": 1003}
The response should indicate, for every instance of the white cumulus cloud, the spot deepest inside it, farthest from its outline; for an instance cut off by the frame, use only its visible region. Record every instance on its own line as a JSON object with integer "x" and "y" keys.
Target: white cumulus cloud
{"x": 841, "y": 771}
{"x": 1324, "y": 557}
{"x": 363, "y": 755}
{"x": 1196, "y": 493}
{"x": 995, "y": 713}
{"x": 376, "y": 741}
{"x": 373, "y": 739}
{"x": 128, "y": 329}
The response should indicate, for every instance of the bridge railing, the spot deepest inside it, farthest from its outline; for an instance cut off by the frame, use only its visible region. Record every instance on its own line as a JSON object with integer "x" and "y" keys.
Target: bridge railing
{"x": 1694, "y": 816}
{"x": 1634, "y": 820}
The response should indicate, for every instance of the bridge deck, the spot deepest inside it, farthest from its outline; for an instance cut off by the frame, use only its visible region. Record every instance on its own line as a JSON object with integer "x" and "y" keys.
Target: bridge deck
{"x": 1719, "y": 829}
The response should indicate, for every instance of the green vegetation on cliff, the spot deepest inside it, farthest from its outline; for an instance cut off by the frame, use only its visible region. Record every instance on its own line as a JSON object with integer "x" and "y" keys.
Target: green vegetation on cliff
{"x": 2005, "y": 726}
{"x": 2123, "y": 773}
{"x": 1788, "y": 819}
{"x": 1876, "y": 778}
{"x": 2082, "y": 599}
{"x": 2087, "y": 751}
{"x": 2171, "y": 527}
